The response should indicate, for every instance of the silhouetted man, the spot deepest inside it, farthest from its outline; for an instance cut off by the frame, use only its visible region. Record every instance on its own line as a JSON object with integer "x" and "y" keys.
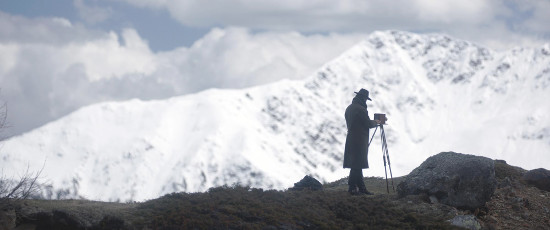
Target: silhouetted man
{"x": 357, "y": 141}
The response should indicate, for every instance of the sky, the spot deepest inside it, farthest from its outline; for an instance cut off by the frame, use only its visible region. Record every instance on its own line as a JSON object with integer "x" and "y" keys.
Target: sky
{"x": 58, "y": 56}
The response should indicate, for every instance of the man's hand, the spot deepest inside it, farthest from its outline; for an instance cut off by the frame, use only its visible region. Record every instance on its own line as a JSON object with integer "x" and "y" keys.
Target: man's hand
{"x": 378, "y": 122}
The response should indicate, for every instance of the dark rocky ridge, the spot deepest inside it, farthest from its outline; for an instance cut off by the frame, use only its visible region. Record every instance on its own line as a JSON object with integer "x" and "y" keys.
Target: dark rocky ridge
{"x": 540, "y": 178}
{"x": 514, "y": 205}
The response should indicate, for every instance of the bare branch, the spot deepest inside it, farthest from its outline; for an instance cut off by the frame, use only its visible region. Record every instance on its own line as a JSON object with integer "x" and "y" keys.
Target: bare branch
{"x": 10, "y": 190}
{"x": 13, "y": 193}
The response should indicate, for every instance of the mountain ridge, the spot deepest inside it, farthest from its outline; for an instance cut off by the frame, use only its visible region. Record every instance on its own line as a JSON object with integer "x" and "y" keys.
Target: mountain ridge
{"x": 439, "y": 93}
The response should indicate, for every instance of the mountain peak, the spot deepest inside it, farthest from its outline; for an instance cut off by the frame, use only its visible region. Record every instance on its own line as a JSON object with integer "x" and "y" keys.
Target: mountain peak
{"x": 439, "y": 93}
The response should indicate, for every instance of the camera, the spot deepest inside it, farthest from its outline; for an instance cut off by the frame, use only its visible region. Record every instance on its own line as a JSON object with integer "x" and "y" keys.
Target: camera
{"x": 381, "y": 117}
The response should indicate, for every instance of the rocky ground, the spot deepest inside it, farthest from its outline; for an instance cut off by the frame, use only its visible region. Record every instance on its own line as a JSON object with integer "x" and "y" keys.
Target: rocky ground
{"x": 514, "y": 205}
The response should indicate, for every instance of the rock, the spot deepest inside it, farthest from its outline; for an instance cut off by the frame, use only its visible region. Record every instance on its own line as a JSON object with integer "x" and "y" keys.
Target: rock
{"x": 466, "y": 221}
{"x": 455, "y": 179}
{"x": 539, "y": 178}
{"x": 505, "y": 183}
{"x": 307, "y": 182}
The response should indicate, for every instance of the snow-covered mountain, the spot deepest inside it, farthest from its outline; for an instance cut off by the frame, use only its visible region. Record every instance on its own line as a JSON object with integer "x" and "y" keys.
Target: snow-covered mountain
{"x": 440, "y": 94}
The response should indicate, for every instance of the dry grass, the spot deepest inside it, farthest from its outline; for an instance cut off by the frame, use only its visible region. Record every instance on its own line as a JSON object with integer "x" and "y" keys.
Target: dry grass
{"x": 244, "y": 208}
{"x": 238, "y": 207}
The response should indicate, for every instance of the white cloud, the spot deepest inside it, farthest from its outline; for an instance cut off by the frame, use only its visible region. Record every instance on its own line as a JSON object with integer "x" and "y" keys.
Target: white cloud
{"x": 108, "y": 58}
{"x": 62, "y": 21}
{"x": 8, "y": 57}
{"x": 234, "y": 57}
{"x": 461, "y": 19}
{"x": 92, "y": 14}
{"x": 52, "y": 31}
{"x": 154, "y": 4}
{"x": 540, "y": 20}
{"x": 453, "y": 12}
{"x": 71, "y": 66}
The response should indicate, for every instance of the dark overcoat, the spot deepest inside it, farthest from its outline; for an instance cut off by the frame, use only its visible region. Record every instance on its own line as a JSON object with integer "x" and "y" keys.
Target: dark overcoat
{"x": 357, "y": 140}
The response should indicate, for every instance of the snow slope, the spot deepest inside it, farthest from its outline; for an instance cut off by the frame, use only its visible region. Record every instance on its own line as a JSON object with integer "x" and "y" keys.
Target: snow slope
{"x": 440, "y": 94}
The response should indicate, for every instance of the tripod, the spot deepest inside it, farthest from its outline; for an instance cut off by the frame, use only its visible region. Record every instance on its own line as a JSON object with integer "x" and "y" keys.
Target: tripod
{"x": 385, "y": 155}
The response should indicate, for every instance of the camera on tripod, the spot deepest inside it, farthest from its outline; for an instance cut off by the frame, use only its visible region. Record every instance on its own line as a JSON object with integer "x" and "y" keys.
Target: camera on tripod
{"x": 385, "y": 155}
{"x": 381, "y": 117}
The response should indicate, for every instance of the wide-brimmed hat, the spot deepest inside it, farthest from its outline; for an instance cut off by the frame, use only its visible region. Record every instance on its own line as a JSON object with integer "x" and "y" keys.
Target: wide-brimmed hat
{"x": 364, "y": 92}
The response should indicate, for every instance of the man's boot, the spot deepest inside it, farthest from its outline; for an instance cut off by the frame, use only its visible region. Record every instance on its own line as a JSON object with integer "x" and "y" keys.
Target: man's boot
{"x": 363, "y": 190}
{"x": 352, "y": 190}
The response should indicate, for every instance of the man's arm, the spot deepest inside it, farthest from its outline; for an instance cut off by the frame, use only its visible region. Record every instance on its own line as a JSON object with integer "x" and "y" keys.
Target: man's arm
{"x": 367, "y": 122}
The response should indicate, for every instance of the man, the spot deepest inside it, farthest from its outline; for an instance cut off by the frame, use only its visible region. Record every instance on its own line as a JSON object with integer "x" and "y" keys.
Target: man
{"x": 357, "y": 141}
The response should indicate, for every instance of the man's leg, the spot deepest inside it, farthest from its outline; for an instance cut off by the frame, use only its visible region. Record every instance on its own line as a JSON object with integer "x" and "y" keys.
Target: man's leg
{"x": 352, "y": 181}
{"x": 361, "y": 183}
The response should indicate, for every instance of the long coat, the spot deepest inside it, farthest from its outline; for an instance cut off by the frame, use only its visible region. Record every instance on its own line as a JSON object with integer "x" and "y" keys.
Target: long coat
{"x": 357, "y": 140}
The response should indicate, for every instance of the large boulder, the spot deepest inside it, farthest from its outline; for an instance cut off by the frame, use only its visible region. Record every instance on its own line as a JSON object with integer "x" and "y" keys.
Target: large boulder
{"x": 540, "y": 178}
{"x": 460, "y": 180}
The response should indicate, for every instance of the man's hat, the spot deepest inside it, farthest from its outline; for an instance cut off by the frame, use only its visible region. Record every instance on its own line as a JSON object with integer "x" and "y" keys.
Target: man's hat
{"x": 365, "y": 93}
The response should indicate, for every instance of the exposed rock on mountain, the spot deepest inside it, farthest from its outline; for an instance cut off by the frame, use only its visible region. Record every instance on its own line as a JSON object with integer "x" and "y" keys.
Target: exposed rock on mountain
{"x": 540, "y": 178}
{"x": 307, "y": 183}
{"x": 459, "y": 180}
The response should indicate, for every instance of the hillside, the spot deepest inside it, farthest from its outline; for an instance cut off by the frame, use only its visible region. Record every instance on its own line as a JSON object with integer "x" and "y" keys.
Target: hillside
{"x": 514, "y": 205}
{"x": 440, "y": 93}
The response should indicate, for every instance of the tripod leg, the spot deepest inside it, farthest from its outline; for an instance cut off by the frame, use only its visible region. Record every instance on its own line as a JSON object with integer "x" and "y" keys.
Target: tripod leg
{"x": 373, "y": 135}
{"x": 386, "y": 171}
{"x": 386, "y": 152}
{"x": 391, "y": 174}
{"x": 382, "y": 137}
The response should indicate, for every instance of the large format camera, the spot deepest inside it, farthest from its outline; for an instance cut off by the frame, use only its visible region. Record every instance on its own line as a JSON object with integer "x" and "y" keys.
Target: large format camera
{"x": 381, "y": 117}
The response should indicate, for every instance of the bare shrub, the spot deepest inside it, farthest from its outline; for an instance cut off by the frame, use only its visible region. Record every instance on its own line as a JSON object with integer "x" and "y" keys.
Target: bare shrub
{"x": 13, "y": 190}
